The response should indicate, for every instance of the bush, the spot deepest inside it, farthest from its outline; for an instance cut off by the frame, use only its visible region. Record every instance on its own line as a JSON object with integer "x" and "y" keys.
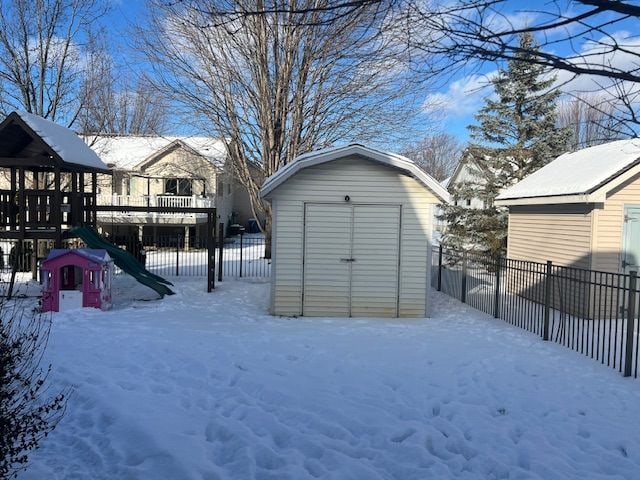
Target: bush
{"x": 28, "y": 412}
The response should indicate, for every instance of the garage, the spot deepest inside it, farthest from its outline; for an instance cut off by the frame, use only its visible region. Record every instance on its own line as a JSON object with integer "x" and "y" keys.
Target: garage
{"x": 351, "y": 234}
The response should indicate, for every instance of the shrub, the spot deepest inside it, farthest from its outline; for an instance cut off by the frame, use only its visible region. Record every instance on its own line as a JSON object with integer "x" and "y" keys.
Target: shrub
{"x": 28, "y": 411}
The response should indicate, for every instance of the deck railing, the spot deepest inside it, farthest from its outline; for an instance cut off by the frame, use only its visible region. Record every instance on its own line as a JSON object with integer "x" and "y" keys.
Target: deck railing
{"x": 173, "y": 201}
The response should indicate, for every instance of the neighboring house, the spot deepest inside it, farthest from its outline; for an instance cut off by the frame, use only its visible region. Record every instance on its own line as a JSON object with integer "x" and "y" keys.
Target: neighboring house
{"x": 439, "y": 224}
{"x": 352, "y": 231}
{"x": 581, "y": 210}
{"x": 167, "y": 171}
{"x": 466, "y": 171}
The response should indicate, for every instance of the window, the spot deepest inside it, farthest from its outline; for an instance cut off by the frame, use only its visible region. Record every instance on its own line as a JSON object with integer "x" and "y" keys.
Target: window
{"x": 177, "y": 186}
{"x": 468, "y": 202}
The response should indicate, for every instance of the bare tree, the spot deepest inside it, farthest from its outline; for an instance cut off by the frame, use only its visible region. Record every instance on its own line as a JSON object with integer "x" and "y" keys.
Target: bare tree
{"x": 279, "y": 83}
{"x": 114, "y": 101}
{"x": 437, "y": 154}
{"x": 41, "y": 55}
{"x": 589, "y": 120}
{"x": 464, "y": 33}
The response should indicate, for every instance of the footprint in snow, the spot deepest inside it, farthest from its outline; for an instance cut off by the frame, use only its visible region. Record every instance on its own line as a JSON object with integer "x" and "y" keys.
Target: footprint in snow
{"x": 401, "y": 437}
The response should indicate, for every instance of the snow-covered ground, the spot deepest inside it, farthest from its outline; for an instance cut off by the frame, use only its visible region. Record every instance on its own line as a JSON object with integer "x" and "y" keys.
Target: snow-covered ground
{"x": 209, "y": 386}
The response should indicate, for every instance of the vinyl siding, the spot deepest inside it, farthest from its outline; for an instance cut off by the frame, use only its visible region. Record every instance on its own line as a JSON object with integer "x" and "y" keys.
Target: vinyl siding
{"x": 549, "y": 233}
{"x": 609, "y": 226}
{"x": 365, "y": 182}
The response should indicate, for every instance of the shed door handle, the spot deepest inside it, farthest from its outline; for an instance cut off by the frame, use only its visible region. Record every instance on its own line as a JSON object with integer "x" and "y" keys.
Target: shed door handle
{"x": 347, "y": 259}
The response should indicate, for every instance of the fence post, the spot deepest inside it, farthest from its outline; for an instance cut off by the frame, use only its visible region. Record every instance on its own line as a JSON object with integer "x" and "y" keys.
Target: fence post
{"x": 463, "y": 287}
{"x": 496, "y": 300}
{"x": 631, "y": 317}
{"x": 241, "y": 254}
{"x": 211, "y": 252}
{"x": 220, "y": 248}
{"x": 440, "y": 268}
{"x": 177, "y": 255}
{"x": 547, "y": 300}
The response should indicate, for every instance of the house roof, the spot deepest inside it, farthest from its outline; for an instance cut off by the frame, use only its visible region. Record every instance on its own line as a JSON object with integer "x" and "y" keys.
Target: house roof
{"x": 93, "y": 254}
{"x": 129, "y": 152}
{"x": 29, "y": 136}
{"x": 577, "y": 177}
{"x": 334, "y": 153}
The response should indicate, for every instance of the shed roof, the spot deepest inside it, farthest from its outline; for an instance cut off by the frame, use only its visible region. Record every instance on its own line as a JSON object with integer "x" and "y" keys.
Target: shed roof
{"x": 335, "y": 153}
{"x": 130, "y": 152}
{"x": 93, "y": 254}
{"x": 576, "y": 177}
{"x": 28, "y": 137}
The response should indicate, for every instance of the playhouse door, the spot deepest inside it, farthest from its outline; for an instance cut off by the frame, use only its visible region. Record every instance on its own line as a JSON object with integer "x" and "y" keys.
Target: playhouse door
{"x": 69, "y": 300}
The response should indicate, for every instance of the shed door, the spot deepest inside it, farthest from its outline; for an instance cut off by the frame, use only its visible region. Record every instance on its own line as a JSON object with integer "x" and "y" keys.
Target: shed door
{"x": 375, "y": 250}
{"x": 631, "y": 239}
{"x": 327, "y": 248}
{"x": 351, "y": 265}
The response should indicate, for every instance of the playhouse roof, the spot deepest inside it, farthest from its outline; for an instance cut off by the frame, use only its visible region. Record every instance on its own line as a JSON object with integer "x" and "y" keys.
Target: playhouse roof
{"x": 334, "y": 153}
{"x": 34, "y": 141}
{"x": 576, "y": 177}
{"x": 92, "y": 254}
{"x": 130, "y": 152}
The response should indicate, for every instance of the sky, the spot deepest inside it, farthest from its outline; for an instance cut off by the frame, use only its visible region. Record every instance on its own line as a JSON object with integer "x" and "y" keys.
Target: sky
{"x": 462, "y": 95}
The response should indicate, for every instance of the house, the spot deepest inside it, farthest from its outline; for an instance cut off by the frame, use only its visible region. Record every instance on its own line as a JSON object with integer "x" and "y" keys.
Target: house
{"x": 352, "y": 233}
{"x": 466, "y": 171}
{"x": 169, "y": 171}
{"x": 580, "y": 210}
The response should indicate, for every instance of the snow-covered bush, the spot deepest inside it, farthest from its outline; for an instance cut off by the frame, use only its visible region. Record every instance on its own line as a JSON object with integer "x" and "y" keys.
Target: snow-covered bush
{"x": 28, "y": 410}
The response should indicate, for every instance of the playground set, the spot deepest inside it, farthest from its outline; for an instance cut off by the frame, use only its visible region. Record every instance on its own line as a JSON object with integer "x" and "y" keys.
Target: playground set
{"x": 53, "y": 185}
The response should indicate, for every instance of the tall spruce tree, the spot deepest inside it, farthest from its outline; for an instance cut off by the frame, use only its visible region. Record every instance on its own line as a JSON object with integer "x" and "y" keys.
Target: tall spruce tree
{"x": 515, "y": 135}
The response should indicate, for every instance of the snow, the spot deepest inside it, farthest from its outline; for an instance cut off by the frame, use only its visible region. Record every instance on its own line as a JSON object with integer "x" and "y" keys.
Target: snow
{"x": 63, "y": 141}
{"x": 96, "y": 255}
{"x": 329, "y": 154}
{"x": 210, "y": 386}
{"x": 578, "y": 172}
{"x": 128, "y": 151}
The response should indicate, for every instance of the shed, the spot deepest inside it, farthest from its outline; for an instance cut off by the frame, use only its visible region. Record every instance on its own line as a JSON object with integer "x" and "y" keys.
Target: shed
{"x": 580, "y": 210}
{"x": 74, "y": 278}
{"x": 351, "y": 234}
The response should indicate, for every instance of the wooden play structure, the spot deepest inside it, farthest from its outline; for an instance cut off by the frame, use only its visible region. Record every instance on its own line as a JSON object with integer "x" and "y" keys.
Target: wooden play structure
{"x": 75, "y": 278}
{"x": 49, "y": 184}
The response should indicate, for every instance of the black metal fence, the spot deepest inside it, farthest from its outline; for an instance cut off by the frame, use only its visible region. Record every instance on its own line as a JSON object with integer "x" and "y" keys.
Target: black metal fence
{"x": 244, "y": 256}
{"x": 591, "y": 312}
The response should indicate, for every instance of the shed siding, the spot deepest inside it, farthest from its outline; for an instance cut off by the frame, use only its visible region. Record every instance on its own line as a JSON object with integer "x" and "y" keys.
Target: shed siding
{"x": 609, "y": 221}
{"x": 365, "y": 182}
{"x": 548, "y": 233}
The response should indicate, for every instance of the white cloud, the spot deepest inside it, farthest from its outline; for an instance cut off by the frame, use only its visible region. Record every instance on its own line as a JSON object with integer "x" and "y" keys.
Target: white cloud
{"x": 463, "y": 97}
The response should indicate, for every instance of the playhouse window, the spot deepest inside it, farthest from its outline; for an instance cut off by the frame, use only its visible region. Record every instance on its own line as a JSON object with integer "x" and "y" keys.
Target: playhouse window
{"x": 46, "y": 280}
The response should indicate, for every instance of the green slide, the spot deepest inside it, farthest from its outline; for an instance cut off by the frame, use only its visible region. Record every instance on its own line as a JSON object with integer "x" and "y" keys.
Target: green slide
{"x": 122, "y": 259}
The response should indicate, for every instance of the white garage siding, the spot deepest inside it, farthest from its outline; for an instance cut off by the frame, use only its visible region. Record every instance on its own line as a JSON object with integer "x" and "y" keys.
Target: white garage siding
{"x": 365, "y": 182}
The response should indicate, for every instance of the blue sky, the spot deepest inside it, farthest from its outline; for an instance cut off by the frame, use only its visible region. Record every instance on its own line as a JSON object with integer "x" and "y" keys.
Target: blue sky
{"x": 459, "y": 98}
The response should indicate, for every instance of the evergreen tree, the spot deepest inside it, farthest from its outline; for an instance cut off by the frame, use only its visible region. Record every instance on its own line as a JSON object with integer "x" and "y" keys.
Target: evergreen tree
{"x": 515, "y": 135}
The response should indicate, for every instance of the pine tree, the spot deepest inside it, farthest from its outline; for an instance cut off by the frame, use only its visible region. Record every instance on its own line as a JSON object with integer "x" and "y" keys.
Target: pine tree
{"x": 515, "y": 135}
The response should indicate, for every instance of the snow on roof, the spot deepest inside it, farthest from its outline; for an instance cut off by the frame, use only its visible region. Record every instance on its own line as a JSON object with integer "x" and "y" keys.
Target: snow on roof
{"x": 445, "y": 182}
{"x": 93, "y": 254}
{"x": 63, "y": 141}
{"x": 579, "y": 172}
{"x": 333, "y": 153}
{"x": 126, "y": 152}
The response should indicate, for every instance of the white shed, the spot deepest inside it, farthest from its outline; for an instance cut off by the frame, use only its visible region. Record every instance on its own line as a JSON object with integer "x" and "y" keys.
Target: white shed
{"x": 351, "y": 234}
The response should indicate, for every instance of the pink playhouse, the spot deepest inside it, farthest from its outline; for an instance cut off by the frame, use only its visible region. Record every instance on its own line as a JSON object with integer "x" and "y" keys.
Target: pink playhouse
{"x": 75, "y": 278}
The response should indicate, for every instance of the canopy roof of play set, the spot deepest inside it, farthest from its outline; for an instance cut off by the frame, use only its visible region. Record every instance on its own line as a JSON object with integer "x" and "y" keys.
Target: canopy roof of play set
{"x": 30, "y": 141}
